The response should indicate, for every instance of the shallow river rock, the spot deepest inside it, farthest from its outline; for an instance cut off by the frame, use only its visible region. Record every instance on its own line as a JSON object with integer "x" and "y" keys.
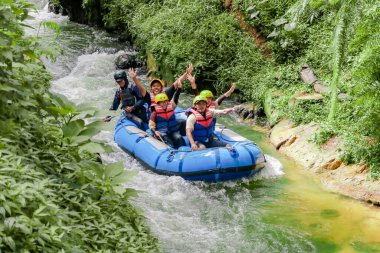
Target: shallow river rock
{"x": 349, "y": 180}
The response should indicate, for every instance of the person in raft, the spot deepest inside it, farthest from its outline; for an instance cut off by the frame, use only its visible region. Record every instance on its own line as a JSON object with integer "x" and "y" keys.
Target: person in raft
{"x": 129, "y": 96}
{"x": 208, "y": 94}
{"x": 163, "y": 123}
{"x": 200, "y": 125}
{"x": 157, "y": 86}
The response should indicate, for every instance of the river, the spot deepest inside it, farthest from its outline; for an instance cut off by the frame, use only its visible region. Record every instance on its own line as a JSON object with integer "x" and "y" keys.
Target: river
{"x": 283, "y": 209}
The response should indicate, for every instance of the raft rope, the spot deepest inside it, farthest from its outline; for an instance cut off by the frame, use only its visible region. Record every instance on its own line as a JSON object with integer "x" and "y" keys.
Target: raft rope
{"x": 173, "y": 151}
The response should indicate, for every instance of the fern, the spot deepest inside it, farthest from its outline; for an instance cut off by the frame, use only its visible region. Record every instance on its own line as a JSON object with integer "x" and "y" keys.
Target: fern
{"x": 51, "y": 25}
{"x": 338, "y": 46}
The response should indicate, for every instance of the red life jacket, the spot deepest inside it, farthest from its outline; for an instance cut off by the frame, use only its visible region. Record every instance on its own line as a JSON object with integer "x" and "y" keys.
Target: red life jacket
{"x": 203, "y": 127}
{"x": 165, "y": 119}
{"x": 212, "y": 106}
{"x": 152, "y": 102}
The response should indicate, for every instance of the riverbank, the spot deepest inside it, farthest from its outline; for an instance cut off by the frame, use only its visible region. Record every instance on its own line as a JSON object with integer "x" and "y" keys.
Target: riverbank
{"x": 349, "y": 180}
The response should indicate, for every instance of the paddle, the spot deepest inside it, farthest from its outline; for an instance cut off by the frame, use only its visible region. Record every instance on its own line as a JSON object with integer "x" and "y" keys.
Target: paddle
{"x": 108, "y": 118}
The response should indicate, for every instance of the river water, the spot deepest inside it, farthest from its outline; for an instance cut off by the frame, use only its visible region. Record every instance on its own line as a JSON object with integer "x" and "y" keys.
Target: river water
{"x": 283, "y": 209}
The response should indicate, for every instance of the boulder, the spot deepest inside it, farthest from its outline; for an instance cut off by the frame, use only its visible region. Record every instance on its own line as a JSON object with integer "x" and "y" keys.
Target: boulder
{"x": 54, "y": 8}
{"x": 127, "y": 60}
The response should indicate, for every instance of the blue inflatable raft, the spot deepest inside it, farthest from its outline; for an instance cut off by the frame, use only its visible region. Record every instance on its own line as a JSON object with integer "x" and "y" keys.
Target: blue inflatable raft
{"x": 213, "y": 164}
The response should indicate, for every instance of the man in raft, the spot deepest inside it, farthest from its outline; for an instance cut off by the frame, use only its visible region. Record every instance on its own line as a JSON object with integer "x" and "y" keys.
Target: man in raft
{"x": 157, "y": 86}
{"x": 129, "y": 96}
{"x": 200, "y": 125}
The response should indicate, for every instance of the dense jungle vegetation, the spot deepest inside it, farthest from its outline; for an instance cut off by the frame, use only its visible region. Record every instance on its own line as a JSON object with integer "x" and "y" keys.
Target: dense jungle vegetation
{"x": 54, "y": 194}
{"x": 339, "y": 39}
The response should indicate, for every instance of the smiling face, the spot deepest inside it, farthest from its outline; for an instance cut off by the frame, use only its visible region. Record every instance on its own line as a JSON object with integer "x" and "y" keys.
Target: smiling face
{"x": 156, "y": 88}
{"x": 201, "y": 106}
{"x": 163, "y": 104}
{"x": 209, "y": 99}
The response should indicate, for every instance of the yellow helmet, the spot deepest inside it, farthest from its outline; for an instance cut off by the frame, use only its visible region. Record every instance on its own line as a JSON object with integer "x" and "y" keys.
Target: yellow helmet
{"x": 199, "y": 98}
{"x": 207, "y": 94}
{"x": 156, "y": 80}
{"x": 161, "y": 97}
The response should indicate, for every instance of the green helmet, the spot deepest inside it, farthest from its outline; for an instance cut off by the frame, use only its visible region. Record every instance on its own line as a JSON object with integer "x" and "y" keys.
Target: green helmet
{"x": 207, "y": 94}
{"x": 199, "y": 98}
{"x": 161, "y": 97}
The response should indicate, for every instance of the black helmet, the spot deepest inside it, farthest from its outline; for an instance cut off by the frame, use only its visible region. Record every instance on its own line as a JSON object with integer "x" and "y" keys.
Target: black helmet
{"x": 120, "y": 75}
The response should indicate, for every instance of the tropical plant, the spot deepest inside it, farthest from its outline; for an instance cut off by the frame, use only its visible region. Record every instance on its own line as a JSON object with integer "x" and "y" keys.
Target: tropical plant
{"x": 55, "y": 195}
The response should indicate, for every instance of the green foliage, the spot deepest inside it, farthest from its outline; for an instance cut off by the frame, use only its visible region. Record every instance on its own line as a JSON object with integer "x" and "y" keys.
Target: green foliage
{"x": 54, "y": 194}
{"x": 324, "y": 133}
{"x": 339, "y": 39}
{"x": 338, "y": 45}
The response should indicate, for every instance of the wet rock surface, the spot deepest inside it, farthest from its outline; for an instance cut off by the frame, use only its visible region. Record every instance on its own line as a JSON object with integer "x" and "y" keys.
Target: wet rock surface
{"x": 348, "y": 180}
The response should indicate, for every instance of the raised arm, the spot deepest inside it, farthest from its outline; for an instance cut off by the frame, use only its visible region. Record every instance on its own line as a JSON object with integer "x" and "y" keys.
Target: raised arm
{"x": 227, "y": 94}
{"x": 193, "y": 84}
{"x": 189, "y": 69}
{"x": 133, "y": 75}
{"x": 176, "y": 95}
{"x": 222, "y": 112}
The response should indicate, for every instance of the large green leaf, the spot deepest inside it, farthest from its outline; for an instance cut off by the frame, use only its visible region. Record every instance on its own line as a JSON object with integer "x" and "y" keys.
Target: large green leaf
{"x": 113, "y": 169}
{"x": 94, "y": 147}
{"x": 73, "y": 128}
{"x": 124, "y": 177}
{"x": 89, "y": 132}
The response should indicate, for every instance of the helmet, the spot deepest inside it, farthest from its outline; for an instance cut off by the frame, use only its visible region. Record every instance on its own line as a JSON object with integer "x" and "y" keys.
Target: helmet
{"x": 207, "y": 94}
{"x": 199, "y": 98}
{"x": 161, "y": 97}
{"x": 120, "y": 75}
{"x": 156, "y": 80}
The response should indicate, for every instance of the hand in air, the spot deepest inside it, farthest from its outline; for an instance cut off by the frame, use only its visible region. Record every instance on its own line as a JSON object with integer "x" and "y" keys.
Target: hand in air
{"x": 189, "y": 69}
{"x": 132, "y": 73}
{"x": 179, "y": 83}
{"x": 229, "y": 92}
{"x": 190, "y": 78}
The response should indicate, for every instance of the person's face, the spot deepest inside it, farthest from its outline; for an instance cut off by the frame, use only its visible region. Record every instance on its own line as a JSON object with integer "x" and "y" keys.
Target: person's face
{"x": 121, "y": 83}
{"x": 209, "y": 99}
{"x": 201, "y": 106}
{"x": 163, "y": 104}
{"x": 156, "y": 88}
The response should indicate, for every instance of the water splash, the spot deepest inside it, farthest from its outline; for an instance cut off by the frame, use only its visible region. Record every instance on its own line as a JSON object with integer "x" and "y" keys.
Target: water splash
{"x": 273, "y": 168}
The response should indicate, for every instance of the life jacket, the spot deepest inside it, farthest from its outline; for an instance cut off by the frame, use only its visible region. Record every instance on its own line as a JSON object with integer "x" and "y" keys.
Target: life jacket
{"x": 152, "y": 102}
{"x": 126, "y": 97}
{"x": 212, "y": 106}
{"x": 165, "y": 119}
{"x": 203, "y": 127}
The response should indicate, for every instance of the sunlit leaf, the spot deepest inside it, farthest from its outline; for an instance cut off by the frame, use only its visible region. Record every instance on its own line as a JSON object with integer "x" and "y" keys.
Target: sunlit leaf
{"x": 251, "y": 7}
{"x": 255, "y": 14}
{"x": 280, "y": 21}
{"x": 123, "y": 177}
{"x": 273, "y": 34}
{"x": 113, "y": 169}
{"x": 95, "y": 148}
{"x": 290, "y": 26}
{"x": 73, "y": 128}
